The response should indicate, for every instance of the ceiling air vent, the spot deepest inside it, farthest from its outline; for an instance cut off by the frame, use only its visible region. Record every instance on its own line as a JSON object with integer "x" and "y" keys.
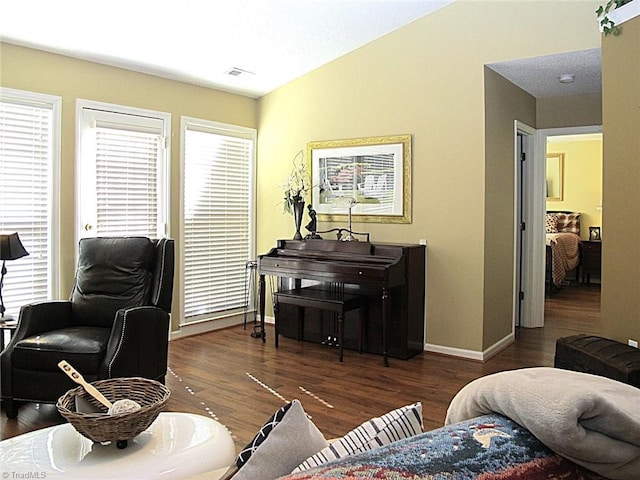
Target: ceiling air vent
{"x": 237, "y": 72}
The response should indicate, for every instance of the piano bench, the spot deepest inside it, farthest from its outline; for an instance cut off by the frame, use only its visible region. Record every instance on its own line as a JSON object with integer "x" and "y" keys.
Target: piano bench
{"x": 330, "y": 300}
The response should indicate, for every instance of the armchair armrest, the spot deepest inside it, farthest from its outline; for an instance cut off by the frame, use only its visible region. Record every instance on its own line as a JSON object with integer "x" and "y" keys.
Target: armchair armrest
{"x": 138, "y": 344}
{"x": 42, "y": 317}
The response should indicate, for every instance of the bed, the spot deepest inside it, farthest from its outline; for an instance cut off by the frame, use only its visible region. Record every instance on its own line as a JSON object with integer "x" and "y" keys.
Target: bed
{"x": 562, "y": 247}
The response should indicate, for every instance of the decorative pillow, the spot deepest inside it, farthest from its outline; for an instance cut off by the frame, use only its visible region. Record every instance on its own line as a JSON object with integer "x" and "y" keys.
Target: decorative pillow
{"x": 551, "y": 223}
{"x": 289, "y": 442}
{"x": 262, "y": 435}
{"x": 398, "y": 424}
{"x": 569, "y": 223}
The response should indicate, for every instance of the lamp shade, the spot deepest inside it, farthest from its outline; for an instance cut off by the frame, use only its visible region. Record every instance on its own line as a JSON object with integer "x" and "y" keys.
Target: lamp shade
{"x": 11, "y": 247}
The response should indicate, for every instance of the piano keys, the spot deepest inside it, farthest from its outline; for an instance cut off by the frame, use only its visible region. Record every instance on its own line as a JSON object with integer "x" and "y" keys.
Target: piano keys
{"x": 391, "y": 276}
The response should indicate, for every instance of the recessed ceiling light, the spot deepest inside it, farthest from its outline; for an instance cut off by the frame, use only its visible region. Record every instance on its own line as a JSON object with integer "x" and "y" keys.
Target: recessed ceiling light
{"x": 567, "y": 78}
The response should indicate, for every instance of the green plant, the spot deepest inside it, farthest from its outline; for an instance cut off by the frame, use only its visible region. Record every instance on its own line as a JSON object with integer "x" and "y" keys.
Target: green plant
{"x": 298, "y": 183}
{"x": 608, "y": 25}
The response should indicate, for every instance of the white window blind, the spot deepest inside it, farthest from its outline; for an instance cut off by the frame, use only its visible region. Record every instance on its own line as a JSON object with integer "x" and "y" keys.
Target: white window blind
{"x": 29, "y": 139}
{"x": 123, "y": 165}
{"x": 126, "y": 182}
{"x": 218, "y": 229}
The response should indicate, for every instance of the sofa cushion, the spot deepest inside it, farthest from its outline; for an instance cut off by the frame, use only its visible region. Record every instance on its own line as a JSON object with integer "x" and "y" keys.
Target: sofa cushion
{"x": 82, "y": 347}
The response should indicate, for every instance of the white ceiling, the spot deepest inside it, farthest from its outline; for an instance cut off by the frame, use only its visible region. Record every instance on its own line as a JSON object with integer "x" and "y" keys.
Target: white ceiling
{"x": 199, "y": 41}
{"x": 540, "y": 76}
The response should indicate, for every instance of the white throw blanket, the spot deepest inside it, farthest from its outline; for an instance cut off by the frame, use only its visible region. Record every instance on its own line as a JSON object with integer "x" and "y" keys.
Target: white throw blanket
{"x": 590, "y": 420}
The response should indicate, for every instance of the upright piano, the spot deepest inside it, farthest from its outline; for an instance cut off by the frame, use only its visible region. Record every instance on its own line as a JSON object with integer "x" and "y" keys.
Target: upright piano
{"x": 391, "y": 276}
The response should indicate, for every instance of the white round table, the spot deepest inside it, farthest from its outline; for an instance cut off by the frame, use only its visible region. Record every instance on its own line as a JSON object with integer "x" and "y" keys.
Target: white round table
{"x": 176, "y": 445}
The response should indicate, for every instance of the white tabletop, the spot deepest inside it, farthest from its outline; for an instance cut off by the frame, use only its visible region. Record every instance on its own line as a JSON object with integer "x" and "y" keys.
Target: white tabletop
{"x": 176, "y": 445}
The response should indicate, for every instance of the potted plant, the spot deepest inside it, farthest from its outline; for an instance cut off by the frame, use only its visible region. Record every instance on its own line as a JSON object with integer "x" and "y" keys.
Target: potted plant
{"x": 295, "y": 191}
{"x": 611, "y": 15}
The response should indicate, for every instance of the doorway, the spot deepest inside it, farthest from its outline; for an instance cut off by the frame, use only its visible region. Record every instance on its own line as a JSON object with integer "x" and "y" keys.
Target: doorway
{"x": 531, "y": 206}
{"x": 528, "y": 251}
{"x": 580, "y": 169}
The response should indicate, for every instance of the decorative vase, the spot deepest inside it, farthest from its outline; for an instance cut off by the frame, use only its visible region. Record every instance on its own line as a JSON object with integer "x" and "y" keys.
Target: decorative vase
{"x": 298, "y": 210}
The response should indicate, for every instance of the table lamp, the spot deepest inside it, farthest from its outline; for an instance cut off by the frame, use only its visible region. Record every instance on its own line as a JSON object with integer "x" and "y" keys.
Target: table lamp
{"x": 10, "y": 249}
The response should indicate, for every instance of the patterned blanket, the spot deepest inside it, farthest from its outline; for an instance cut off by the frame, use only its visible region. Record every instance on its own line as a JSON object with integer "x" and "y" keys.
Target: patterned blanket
{"x": 565, "y": 252}
{"x": 489, "y": 447}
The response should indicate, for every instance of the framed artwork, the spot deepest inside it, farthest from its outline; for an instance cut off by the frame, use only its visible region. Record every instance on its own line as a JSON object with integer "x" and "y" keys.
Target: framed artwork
{"x": 555, "y": 176}
{"x": 371, "y": 176}
{"x": 594, "y": 233}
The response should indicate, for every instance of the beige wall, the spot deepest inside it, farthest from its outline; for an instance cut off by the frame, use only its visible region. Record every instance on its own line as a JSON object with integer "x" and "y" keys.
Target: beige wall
{"x": 582, "y": 181}
{"x": 504, "y": 103}
{"x": 38, "y": 71}
{"x": 569, "y": 111}
{"x": 427, "y": 80}
{"x": 621, "y": 189}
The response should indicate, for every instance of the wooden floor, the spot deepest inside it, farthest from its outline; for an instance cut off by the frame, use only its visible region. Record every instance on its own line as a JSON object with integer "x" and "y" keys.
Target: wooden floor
{"x": 240, "y": 381}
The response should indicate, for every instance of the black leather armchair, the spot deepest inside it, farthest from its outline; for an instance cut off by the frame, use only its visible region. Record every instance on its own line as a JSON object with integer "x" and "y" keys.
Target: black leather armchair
{"x": 116, "y": 323}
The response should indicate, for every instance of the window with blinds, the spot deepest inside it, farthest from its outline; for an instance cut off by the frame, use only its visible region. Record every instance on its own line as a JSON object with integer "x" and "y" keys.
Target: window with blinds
{"x": 29, "y": 157}
{"x": 218, "y": 212}
{"x": 123, "y": 166}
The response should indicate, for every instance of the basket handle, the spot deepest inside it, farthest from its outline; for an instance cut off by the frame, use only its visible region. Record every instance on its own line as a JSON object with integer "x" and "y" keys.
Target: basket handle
{"x": 79, "y": 379}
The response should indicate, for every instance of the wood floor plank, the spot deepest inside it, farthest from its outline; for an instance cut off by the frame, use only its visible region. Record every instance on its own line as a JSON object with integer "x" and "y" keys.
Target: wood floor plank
{"x": 240, "y": 381}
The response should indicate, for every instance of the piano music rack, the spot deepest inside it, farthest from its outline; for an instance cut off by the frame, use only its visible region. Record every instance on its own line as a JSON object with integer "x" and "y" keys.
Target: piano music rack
{"x": 340, "y": 231}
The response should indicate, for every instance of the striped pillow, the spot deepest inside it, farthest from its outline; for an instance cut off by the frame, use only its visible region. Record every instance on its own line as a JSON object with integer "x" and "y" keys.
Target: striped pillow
{"x": 398, "y": 424}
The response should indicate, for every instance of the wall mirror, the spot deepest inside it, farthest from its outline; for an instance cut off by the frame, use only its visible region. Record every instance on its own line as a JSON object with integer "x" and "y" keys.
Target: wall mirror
{"x": 373, "y": 173}
{"x": 555, "y": 172}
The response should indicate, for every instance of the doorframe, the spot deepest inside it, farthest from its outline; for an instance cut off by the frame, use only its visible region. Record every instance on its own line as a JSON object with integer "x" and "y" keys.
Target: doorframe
{"x": 531, "y": 268}
{"x": 533, "y": 265}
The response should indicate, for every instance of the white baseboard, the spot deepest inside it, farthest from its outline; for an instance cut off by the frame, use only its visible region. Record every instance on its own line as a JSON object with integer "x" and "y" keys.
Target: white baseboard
{"x": 217, "y": 324}
{"x": 498, "y": 346}
{"x": 471, "y": 354}
{"x": 211, "y": 325}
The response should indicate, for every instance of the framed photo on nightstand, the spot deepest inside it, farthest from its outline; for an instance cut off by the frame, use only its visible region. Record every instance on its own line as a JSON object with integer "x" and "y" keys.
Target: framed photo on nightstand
{"x": 594, "y": 233}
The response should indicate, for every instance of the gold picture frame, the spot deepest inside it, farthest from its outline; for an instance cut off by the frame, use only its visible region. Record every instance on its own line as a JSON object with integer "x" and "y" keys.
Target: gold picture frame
{"x": 555, "y": 176}
{"x": 372, "y": 175}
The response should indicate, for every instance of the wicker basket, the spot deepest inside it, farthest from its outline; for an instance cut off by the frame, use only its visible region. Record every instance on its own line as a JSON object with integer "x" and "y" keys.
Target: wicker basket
{"x": 101, "y": 427}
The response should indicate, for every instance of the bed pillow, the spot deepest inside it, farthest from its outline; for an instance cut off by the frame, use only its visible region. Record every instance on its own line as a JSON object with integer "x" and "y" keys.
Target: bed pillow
{"x": 288, "y": 443}
{"x": 551, "y": 223}
{"x": 569, "y": 223}
{"x": 398, "y": 424}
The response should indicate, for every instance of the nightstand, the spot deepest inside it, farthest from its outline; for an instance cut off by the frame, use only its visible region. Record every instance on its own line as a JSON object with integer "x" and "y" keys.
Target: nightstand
{"x": 591, "y": 259}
